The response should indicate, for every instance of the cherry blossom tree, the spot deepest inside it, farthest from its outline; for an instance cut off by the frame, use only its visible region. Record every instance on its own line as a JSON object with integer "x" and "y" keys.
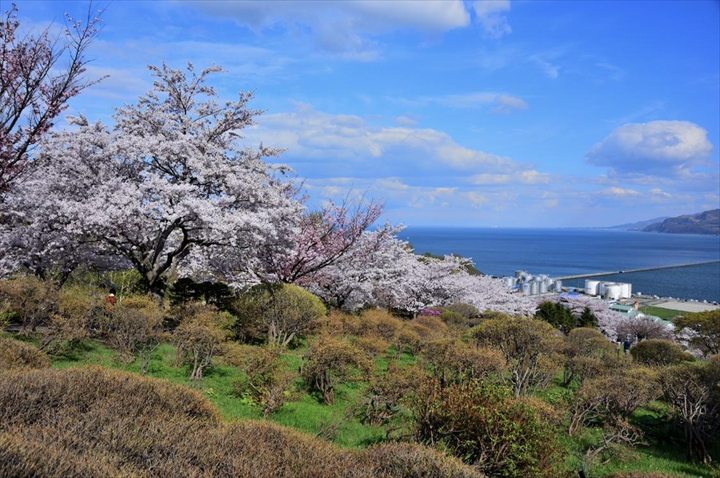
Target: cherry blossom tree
{"x": 321, "y": 240}
{"x": 383, "y": 270}
{"x": 169, "y": 179}
{"x": 38, "y": 75}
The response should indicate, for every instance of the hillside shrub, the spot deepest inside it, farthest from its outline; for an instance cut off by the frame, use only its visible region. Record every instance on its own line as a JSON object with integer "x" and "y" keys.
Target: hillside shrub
{"x": 133, "y": 327}
{"x": 201, "y": 332}
{"x": 408, "y": 340}
{"x": 373, "y": 346}
{"x": 383, "y": 400}
{"x": 331, "y": 361}
{"x": 80, "y": 310}
{"x": 267, "y": 381}
{"x": 29, "y": 300}
{"x": 97, "y": 423}
{"x": 409, "y": 460}
{"x": 612, "y": 397}
{"x": 277, "y": 314}
{"x": 15, "y": 354}
{"x": 588, "y": 353}
{"x": 454, "y": 319}
{"x": 454, "y": 361}
{"x": 486, "y": 427}
{"x": 659, "y": 352}
{"x": 530, "y": 347}
{"x": 468, "y": 311}
{"x": 693, "y": 391}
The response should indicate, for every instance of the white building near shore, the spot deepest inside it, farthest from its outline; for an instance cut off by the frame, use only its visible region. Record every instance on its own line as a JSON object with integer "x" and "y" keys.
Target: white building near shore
{"x": 608, "y": 290}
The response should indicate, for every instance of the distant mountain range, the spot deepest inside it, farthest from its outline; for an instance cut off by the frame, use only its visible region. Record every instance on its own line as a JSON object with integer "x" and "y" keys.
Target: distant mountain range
{"x": 707, "y": 222}
{"x": 638, "y": 226}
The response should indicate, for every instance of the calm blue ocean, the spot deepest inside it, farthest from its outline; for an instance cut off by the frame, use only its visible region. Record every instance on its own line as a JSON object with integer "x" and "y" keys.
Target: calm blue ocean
{"x": 561, "y": 252}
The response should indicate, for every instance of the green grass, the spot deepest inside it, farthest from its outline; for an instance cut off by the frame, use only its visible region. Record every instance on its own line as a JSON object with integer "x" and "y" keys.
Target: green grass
{"x": 336, "y": 422}
{"x": 667, "y": 314}
{"x": 339, "y": 422}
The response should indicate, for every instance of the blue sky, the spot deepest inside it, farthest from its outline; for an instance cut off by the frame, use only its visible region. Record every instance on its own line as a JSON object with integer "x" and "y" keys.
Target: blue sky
{"x": 492, "y": 113}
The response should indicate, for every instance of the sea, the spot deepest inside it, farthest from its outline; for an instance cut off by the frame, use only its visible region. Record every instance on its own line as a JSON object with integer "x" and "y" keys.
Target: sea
{"x": 564, "y": 252}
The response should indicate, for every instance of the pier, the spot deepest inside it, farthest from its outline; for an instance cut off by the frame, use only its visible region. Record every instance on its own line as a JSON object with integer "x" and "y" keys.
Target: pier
{"x": 627, "y": 271}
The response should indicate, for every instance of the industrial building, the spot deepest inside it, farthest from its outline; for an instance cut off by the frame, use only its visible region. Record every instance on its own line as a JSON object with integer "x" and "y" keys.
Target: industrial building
{"x": 608, "y": 290}
{"x": 529, "y": 284}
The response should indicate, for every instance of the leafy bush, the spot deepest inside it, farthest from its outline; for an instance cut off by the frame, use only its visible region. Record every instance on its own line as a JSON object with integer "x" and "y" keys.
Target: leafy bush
{"x": 414, "y": 461}
{"x": 530, "y": 348}
{"x": 468, "y": 311}
{"x": 331, "y": 361}
{"x": 279, "y": 314}
{"x": 268, "y": 382}
{"x": 485, "y": 426}
{"x": 380, "y": 323}
{"x": 454, "y": 319}
{"x": 454, "y": 361}
{"x": 693, "y": 391}
{"x": 588, "y": 353}
{"x": 612, "y": 397}
{"x": 103, "y": 423}
{"x": 373, "y": 346}
{"x": 79, "y": 311}
{"x": 201, "y": 332}
{"x": 659, "y": 352}
{"x": 640, "y": 474}
{"x": 15, "y": 354}
{"x": 383, "y": 399}
{"x": 134, "y": 327}
{"x": 408, "y": 340}
{"x": 29, "y": 300}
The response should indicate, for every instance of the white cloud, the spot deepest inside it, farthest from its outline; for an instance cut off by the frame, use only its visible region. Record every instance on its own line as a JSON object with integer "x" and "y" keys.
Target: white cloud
{"x": 617, "y": 192}
{"x": 344, "y": 28}
{"x": 405, "y": 121}
{"x": 475, "y": 198}
{"x": 308, "y": 134}
{"x": 550, "y": 69}
{"x": 392, "y": 184}
{"x": 499, "y": 102}
{"x": 657, "y": 147}
{"x": 490, "y": 14}
{"x": 659, "y": 195}
{"x": 534, "y": 177}
{"x": 434, "y": 15}
{"x": 530, "y": 176}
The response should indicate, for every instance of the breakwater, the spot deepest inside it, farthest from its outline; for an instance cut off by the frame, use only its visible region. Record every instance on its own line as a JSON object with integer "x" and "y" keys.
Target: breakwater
{"x": 628, "y": 271}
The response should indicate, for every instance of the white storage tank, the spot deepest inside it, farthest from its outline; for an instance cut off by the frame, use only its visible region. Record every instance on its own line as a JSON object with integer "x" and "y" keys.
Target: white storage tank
{"x": 613, "y": 291}
{"x": 534, "y": 288}
{"x": 591, "y": 287}
{"x": 543, "y": 287}
{"x": 626, "y": 290}
{"x": 558, "y": 286}
{"x": 526, "y": 288}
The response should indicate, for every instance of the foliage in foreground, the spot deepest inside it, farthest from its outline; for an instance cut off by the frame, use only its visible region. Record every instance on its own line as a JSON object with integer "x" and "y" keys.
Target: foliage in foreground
{"x": 60, "y": 423}
{"x": 19, "y": 355}
{"x": 486, "y": 426}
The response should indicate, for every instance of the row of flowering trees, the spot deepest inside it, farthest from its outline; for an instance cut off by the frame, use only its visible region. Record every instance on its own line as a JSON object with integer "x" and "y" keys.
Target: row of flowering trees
{"x": 170, "y": 190}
